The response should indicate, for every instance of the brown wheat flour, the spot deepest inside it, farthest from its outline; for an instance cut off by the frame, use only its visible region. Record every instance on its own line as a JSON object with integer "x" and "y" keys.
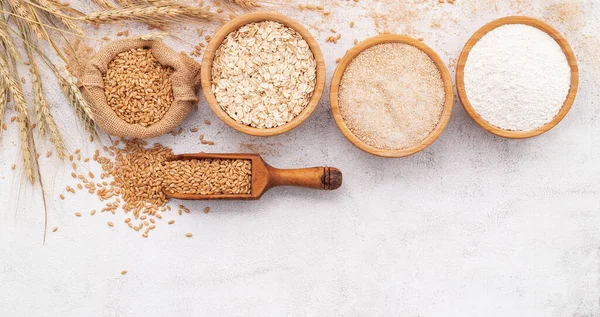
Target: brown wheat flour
{"x": 391, "y": 96}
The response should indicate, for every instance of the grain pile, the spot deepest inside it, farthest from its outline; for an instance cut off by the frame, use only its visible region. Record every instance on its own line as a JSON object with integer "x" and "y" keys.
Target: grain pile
{"x": 136, "y": 171}
{"x": 264, "y": 74}
{"x": 208, "y": 176}
{"x": 391, "y": 96}
{"x": 131, "y": 180}
{"x": 138, "y": 88}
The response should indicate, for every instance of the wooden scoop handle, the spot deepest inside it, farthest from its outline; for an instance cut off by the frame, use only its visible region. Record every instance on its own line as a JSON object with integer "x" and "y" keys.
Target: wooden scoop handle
{"x": 327, "y": 178}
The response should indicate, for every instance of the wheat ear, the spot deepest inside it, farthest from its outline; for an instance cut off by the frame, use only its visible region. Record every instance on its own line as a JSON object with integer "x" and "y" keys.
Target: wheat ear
{"x": 103, "y": 4}
{"x": 41, "y": 108}
{"x": 39, "y": 102}
{"x": 7, "y": 41}
{"x": 124, "y": 3}
{"x": 14, "y": 86}
{"x": 78, "y": 101}
{"x": 44, "y": 118}
{"x": 54, "y": 10}
{"x": 245, "y": 3}
{"x": 152, "y": 36}
{"x": 26, "y": 12}
{"x": 9, "y": 49}
{"x": 3, "y": 102}
{"x": 150, "y": 14}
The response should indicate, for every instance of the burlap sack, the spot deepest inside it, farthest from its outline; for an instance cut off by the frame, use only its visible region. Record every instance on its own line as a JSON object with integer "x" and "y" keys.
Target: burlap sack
{"x": 185, "y": 78}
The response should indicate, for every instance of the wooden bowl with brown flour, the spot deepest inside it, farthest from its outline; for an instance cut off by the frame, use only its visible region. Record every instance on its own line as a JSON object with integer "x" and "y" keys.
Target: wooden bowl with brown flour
{"x": 263, "y": 74}
{"x": 391, "y": 96}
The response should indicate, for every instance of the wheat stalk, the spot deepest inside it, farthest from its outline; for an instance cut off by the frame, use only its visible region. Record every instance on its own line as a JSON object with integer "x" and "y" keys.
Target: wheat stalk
{"x": 152, "y": 36}
{"x": 9, "y": 48}
{"x": 7, "y": 41}
{"x": 78, "y": 101}
{"x": 129, "y": 3}
{"x": 245, "y": 3}
{"x": 151, "y": 13}
{"x": 36, "y": 82}
{"x": 28, "y": 13}
{"x": 39, "y": 173}
{"x": 39, "y": 101}
{"x": 14, "y": 87}
{"x": 3, "y": 102}
{"x": 43, "y": 116}
{"x": 103, "y": 4}
{"x": 124, "y": 3}
{"x": 55, "y": 135}
{"x": 16, "y": 91}
{"x": 73, "y": 95}
{"x": 25, "y": 137}
{"x": 54, "y": 10}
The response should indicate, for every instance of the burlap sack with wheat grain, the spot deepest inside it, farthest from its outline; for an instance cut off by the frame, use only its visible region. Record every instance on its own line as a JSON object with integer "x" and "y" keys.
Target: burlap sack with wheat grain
{"x": 185, "y": 80}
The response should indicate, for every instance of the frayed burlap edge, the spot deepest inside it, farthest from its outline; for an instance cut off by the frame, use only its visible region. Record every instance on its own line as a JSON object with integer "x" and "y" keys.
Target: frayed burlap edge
{"x": 185, "y": 78}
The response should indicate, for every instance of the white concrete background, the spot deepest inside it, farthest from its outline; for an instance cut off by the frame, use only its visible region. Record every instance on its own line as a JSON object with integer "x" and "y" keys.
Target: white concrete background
{"x": 475, "y": 225}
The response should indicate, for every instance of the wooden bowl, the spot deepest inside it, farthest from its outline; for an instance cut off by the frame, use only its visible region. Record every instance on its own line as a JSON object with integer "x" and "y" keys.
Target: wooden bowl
{"x": 391, "y": 38}
{"x": 460, "y": 76}
{"x": 232, "y": 26}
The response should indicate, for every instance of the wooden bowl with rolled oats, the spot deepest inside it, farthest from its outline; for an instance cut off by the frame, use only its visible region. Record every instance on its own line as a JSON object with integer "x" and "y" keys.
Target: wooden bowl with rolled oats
{"x": 263, "y": 73}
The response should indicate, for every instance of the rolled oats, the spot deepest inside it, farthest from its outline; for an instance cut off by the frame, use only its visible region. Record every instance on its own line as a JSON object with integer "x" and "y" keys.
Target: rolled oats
{"x": 264, "y": 74}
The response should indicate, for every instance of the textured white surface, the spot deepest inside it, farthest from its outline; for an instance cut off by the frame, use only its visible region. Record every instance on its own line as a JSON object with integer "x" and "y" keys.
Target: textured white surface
{"x": 517, "y": 77}
{"x": 475, "y": 225}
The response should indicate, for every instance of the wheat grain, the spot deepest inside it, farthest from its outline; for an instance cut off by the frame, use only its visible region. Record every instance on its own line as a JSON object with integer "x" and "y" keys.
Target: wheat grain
{"x": 208, "y": 177}
{"x": 138, "y": 181}
{"x": 138, "y": 88}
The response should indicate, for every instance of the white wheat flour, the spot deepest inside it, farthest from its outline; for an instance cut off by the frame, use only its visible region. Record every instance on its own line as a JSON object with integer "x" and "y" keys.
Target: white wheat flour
{"x": 517, "y": 77}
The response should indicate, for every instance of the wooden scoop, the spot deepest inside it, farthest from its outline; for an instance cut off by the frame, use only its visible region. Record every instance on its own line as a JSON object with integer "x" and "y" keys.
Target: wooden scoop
{"x": 265, "y": 177}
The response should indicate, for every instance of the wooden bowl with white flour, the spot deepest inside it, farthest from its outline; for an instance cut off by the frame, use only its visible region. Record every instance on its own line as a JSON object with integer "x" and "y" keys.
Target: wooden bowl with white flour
{"x": 391, "y": 96}
{"x": 517, "y": 77}
{"x": 263, "y": 73}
